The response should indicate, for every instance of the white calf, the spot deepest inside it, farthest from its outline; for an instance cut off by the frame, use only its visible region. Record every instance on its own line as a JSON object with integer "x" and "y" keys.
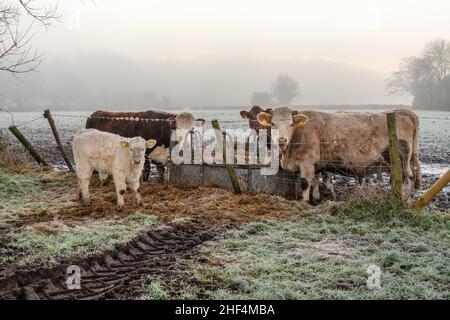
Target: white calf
{"x": 109, "y": 154}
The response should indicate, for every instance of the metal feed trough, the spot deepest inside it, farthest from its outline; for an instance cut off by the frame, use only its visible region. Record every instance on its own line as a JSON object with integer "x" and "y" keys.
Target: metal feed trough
{"x": 250, "y": 180}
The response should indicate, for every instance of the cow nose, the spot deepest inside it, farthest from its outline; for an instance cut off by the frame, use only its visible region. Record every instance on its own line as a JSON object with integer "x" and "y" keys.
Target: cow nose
{"x": 282, "y": 141}
{"x": 137, "y": 161}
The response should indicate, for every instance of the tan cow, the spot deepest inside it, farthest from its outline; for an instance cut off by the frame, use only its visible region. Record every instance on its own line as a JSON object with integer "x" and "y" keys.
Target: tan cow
{"x": 110, "y": 154}
{"x": 350, "y": 143}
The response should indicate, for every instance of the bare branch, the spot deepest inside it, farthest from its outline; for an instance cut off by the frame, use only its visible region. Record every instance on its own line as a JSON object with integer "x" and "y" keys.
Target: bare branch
{"x": 17, "y": 56}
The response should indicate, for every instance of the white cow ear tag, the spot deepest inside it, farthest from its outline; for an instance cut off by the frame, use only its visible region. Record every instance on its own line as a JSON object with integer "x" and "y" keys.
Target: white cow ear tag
{"x": 124, "y": 145}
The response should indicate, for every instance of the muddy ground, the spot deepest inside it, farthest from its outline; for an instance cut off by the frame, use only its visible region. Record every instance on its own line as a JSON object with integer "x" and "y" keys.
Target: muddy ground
{"x": 115, "y": 273}
{"x": 185, "y": 219}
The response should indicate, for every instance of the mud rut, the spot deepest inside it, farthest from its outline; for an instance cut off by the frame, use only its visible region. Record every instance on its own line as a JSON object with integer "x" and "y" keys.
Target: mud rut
{"x": 111, "y": 274}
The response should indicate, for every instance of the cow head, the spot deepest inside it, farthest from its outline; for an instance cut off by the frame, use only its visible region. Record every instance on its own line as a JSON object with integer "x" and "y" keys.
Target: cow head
{"x": 185, "y": 122}
{"x": 284, "y": 120}
{"x": 136, "y": 147}
{"x": 159, "y": 155}
{"x": 251, "y": 117}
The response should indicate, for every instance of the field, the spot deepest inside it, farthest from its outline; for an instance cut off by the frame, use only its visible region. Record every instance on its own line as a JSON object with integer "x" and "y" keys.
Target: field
{"x": 209, "y": 243}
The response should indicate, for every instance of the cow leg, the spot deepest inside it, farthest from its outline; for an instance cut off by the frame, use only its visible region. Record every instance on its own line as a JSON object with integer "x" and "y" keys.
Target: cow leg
{"x": 308, "y": 173}
{"x": 316, "y": 192}
{"x": 121, "y": 187}
{"x": 147, "y": 167}
{"x": 161, "y": 169}
{"x": 379, "y": 175}
{"x": 329, "y": 184}
{"x": 407, "y": 183}
{"x": 84, "y": 177}
{"x": 405, "y": 158}
{"x": 134, "y": 187}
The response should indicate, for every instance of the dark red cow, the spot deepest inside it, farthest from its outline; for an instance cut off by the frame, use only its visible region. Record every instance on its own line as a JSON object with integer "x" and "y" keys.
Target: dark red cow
{"x": 253, "y": 121}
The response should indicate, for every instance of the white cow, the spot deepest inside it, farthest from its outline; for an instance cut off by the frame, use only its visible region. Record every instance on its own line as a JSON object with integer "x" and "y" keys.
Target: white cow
{"x": 109, "y": 154}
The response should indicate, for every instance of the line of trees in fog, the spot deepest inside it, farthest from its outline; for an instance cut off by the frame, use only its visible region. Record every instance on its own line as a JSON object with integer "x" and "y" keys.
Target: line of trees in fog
{"x": 283, "y": 91}
{"x": 426, "y": 77}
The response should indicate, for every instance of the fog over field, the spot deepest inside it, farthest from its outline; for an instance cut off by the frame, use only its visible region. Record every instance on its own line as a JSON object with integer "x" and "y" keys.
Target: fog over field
{"x": 86, "y": 80}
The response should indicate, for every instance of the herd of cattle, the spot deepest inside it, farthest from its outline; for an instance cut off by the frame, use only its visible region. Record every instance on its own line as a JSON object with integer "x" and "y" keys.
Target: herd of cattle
{"x": 312, "y": 143}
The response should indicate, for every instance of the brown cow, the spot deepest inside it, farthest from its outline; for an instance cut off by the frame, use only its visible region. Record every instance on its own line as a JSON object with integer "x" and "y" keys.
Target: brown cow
{"x": 252, "y": 120}
{"x": 251, "y": 116}
{"x": 348, "y": 143}
{"x": 254, "y": 123}
{"x": 148, "y": 124}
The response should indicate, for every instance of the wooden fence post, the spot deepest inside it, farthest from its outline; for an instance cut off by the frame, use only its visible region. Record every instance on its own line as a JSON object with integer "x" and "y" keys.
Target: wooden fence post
{"x": 434, "y": 190}
{"x": 229, "y": 167}
{"x": 396, "y": 167}
{"x": 24, "y": 141}
{"x": 49, "y": 117}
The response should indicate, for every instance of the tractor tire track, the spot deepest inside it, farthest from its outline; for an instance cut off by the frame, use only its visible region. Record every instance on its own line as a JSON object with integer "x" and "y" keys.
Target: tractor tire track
{"x": 153, "y": 253}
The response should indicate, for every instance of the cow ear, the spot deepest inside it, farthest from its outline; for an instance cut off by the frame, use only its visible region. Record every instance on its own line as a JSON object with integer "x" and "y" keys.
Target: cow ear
{"x": 245, "y": 115}
{"x": 124, "y": 144}
{"x": 264, "y": 118}
{"x": 150, "y": 143}
{"x": 200, "y": 122}
{"x": 299, "y": 120}
{"x": 269, "y": 111}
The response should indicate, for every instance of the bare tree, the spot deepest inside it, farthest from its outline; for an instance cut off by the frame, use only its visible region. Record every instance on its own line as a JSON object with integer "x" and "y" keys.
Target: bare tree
{"x": 285, "y": 89}
{"x": 262, "y": 98}
{"x": 437, "y": 52}
{"x": 17, "y": 19}
{"x": 425, "y": 77}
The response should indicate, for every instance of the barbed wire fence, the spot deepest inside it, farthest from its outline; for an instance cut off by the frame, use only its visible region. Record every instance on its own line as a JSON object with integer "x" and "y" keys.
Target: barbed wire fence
{"x": 434, "y": 148}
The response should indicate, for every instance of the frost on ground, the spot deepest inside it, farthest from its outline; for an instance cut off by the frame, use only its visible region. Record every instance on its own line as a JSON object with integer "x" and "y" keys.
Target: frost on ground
{"x": 276, "y": 249}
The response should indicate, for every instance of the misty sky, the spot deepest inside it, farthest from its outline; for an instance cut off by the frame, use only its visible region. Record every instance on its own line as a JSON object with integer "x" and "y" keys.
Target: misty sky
{"x": 141, "y": 54}
{"x": 367, "y": 33}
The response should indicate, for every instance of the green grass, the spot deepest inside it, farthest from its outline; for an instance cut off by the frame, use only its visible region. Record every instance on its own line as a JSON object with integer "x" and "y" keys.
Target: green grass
{"x": 20, "y": 192}
{"x": 326, "y": 257}
{"x": 155, "y": 291}
{"x": 384, "y": 208}
{"x": 12, "y": 184}
{"x": 53, "y": 244}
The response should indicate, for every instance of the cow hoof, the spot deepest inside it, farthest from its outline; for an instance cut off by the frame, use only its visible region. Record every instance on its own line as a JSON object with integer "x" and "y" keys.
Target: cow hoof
{"x": 119, "y": 208}
{"x": 86, "y": 203}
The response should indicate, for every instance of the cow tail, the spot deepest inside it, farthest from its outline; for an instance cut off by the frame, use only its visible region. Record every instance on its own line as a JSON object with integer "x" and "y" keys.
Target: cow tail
{"x": 415, "y": 155}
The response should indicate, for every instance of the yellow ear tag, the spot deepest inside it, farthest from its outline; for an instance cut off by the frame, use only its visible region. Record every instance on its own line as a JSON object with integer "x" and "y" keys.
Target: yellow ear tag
{"x": 124, "y": 145}
{"x": 150, "y": 143}
{"x": 264, "y": 122}
{"x": 301, "y": 123}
